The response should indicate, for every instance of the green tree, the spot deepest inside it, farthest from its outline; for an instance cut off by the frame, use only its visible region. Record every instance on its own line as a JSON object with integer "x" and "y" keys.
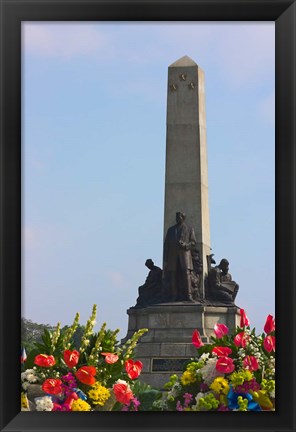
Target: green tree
{"x": 31, "y": 332}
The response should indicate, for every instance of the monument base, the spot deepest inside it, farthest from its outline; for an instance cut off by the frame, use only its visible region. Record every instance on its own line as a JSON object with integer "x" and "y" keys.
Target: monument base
{"x": 167, "y": 345}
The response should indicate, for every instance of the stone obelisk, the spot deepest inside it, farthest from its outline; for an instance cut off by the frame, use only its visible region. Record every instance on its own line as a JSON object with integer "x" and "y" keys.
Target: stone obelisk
{"x": 186, "y": 173}
{"x": 167, "y": 345}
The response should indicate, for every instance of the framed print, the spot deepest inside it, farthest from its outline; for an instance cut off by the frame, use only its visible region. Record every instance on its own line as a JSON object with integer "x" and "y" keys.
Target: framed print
{"x": 82, "y": 121}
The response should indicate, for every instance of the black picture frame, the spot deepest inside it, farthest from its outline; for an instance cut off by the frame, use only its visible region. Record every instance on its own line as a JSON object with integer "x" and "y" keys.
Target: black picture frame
{"x": 283, "y": 12}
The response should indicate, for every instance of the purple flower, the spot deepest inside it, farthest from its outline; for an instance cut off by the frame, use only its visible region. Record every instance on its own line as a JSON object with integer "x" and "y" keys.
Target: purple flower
{"x": 132, "y": 405}
{"x": 125, "y": 408}
{"x": 187, "y": 399}
{"x": 179, "y": 406}
{"x": 223, "y": 408}
{"x": 247, "y": 385}
{"x": 136, "y": 402}
{"x": 204, "y": 387}
{"x": 69, "y": 383}
{"x": 69, "y": 377}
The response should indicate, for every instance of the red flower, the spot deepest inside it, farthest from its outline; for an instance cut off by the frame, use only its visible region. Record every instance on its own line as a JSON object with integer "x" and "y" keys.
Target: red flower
{"x": 220, "y": 330}
{"x": 71, "y": 358}
{"x": 122, "y": 392}
{"x": 44, "y": 360}
{"x": 222, "y": 351}
{"x": 110, "y": 357}
{"x": 133, "y": 369}
{"x": 244, "y": 320}
{"x": 86, "y": 374}
{"x": 269, "y": 343}
{"x": 225, "y": 365}
{"x": 240, "y": 340}
{"x": 269, "y": 324}
{"x": 52, "y": 386}
{"x": 196, "y": 339}
{"x": 251, "y": 363}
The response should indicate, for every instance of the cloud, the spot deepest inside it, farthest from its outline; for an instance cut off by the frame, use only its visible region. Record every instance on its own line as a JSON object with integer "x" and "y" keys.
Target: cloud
{"x": 62, "y": 40}
{"x": 241, "y": 52}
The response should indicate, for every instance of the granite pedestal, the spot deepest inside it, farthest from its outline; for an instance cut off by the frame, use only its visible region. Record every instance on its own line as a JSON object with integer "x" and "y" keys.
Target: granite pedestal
{"x": 167, "y": 344}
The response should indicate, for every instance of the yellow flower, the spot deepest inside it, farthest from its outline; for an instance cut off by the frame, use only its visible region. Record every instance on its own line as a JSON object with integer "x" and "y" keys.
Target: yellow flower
{"x": 99, "y": 394}
{"x": 238, "y": 378}
{"x": 24, "y": 401}
{"x": 220, "y": 385}
{"x": 80, "y": 405}
{"x": 262, "y": 399}
{"x": 187, "y": 378}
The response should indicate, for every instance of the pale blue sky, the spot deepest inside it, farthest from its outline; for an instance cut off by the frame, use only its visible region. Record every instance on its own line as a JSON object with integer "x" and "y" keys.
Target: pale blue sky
{"x": 93, "y": 143}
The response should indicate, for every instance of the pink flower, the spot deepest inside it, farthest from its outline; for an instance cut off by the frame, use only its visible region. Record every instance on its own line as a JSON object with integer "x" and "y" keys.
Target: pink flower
{"x": 240, "y": 340}
{"x": 68, "y": 402}
{"x": 269, "y": 324}
{"x": 251, "y": 363}
{"x": 225, "y": 365}
{"x": 221, "y": 351}
{"x": 269, "y": 343}
{"x": 196, "y": 339}
{"x": 110, "y": 357}
{"x": 244, "y": 320}
{"x": 133, "y": 369}
{"x": 220, "y": 330}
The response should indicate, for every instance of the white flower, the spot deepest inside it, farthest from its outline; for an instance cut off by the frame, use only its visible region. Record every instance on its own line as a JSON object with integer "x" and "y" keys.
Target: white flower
{"x": 32, "y": 378}
{"x": 197, "y": 398}
{"x": 160, "y": 404}
{"x": 120, "y": 381}
{"x": 209, "y": 371}
{"x": 204, "y": 356}
{"x": 175, "y": 390}
{"x": 25, "y": 385}
{"x": 44, "y": 404}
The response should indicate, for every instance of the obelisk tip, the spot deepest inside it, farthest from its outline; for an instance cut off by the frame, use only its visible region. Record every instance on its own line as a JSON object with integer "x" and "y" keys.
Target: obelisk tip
{"x": 183, "y": 61}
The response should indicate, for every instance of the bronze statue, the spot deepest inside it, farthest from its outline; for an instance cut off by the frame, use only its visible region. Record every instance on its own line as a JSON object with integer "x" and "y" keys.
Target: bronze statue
{"x": 178, "y": 265}
{"x": 220, "y": 286}
{"x": 195, "y": 275}
{"x": 150, "y": 292}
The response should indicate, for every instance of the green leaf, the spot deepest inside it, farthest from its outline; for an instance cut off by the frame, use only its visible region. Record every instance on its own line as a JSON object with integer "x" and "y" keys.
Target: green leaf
{"x": 47, "y": 338}
{"x": 30, "y": 358}
{"x": 42, "y": 348}
{"x": 147, "y": 398}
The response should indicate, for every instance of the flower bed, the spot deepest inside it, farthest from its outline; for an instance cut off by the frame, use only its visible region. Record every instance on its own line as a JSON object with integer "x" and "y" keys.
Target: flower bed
{"x": 98, "y": 375}
{"x": 233, "y": 373}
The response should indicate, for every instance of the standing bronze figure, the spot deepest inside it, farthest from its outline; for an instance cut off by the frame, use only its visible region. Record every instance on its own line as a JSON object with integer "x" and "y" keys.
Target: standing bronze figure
{"x": 178, "y": 266}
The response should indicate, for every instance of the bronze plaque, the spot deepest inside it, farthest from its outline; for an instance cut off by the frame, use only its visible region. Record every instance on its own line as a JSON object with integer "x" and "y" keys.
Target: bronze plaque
{"x": 168, "y": 364}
